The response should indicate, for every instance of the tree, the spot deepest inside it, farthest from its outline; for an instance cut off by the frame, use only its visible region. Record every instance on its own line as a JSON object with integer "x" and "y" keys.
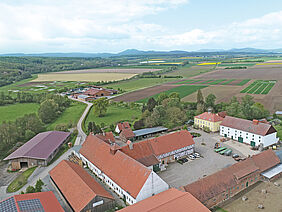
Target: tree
{"x": 151, "y": 104}
{"x": 29, "y": 134}
{"x": 100, "y": 106}
{"x": 246, "y": 106}
{"x": 48, "y": 111}
{"x": 38, "y": 185}
{"x": 30, "y": 189}
{"x": 200, "y": 102}
{"x": 161, "y": 97}
{"x": 90, "y": 127}
{"x": 61, "y": 127}
{"x": 174, "y": 95}
{"x": 210, "y": 101}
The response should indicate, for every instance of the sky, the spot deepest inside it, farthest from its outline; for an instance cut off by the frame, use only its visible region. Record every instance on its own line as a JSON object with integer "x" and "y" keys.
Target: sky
{"x": 91, "y": 26}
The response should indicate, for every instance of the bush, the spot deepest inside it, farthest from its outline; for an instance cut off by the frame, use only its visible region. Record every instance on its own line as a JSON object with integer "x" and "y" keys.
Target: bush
{"x": 30, "y": 189}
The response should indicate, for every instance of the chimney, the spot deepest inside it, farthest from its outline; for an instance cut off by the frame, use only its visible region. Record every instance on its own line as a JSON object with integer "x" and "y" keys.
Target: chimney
{"x": 255, "y": 122}
{"x": 130, "y": 144}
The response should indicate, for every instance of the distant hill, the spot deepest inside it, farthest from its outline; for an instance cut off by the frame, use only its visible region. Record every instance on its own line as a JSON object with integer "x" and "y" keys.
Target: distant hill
{"x": 135, "y": 52}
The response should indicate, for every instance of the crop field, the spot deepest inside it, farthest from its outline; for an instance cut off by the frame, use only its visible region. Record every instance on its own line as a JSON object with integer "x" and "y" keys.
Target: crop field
{"x": 135, "y": 84}
{"x": 236, "y": 64}
{"x": 223, "y": 93}
{"x": 183, "y": 91}
{"x": 208, "y": 64}
{"x": 12, "y": 112}
{"x": 215, "y": 82}
{"x": 191, "y": 71}
{"x": 86, "y": 77}
{"x": 111, "y": 70}
{"x": 259, "y": 87}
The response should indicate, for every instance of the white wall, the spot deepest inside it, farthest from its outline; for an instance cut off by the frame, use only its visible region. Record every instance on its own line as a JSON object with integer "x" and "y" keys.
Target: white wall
{"x": 248, "y": 137}
{"x": 152, "y": 186}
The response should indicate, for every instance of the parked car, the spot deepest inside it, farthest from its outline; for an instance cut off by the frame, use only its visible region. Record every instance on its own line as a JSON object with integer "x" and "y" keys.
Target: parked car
{"x": 192, "y": 157}
{"x": 197, "y": 155}
{"x": 235, "y": 156}
{"x": 185, "y": 160}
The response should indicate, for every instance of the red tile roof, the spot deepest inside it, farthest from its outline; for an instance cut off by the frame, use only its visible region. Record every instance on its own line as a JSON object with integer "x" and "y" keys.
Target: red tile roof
{"x": 222, "y": 114}
{"x": 47, "y": 200}
{"x": 123, "y": 125}
{"x": 213, "y": 185}
{"x": 107, "y": 137}
{"x": 128, "y": 173}
{"x": 146, "y": 152}
{"x": 167, "y": 201}
{"x": 257, "y": 127}
{"x": 127, "y": 133}
{"x": 40, "y": 146}
{"x": 207, "y": 116}
{"x": 77, "y": 186}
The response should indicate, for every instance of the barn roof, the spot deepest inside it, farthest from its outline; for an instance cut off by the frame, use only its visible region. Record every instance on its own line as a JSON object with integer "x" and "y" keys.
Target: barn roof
{"x": 169, "y": 200}
{"x": 213, "y": 185}
{"x": 40, "y": 146}
{"x": 77, "y": 186}
{"x": 255, "y": 127}
{"x": 41, "y": 201}
{"x": 128, "y": 173}
{"x": 147, "y": 131}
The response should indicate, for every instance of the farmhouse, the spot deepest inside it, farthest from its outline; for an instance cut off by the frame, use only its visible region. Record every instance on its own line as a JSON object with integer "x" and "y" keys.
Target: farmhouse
{"x": 161, "y": 150}
{"x": 79, "y": 189}
{"x": 39, "y": 150}
{"x": 41, "y": 201}
{"x": 254, "y": 133}
{"x": 128, "y": 178}
{"x": 226, "y": 183}
{"x": 208, "y": 120}
{"x": 97, "y": 92}
{"x": 169, "y": 200}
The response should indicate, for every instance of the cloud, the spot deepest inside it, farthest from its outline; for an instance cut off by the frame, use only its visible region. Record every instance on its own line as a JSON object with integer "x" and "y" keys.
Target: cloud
{"x": 114, "y": 25}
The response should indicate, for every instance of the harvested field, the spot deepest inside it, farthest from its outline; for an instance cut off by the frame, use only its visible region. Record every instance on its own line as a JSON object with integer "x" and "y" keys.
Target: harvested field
{"x": 86, "y": 77}
{"x": 223, "y": 93}
{"x": 254, "y": 72}
{"x": 144, "y": 93}
{"x": 183, "y": 91}
{"x": 271, "y": 200}
{"x": 110, "y": 70}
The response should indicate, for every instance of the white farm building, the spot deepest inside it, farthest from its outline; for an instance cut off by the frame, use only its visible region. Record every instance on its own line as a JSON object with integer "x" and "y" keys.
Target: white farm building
{"x": 128, "y": 178}
{"x": 254, "y": 133}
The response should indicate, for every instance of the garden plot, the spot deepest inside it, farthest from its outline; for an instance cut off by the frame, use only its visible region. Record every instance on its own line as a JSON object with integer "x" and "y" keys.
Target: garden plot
{"x": 259, "y": 87}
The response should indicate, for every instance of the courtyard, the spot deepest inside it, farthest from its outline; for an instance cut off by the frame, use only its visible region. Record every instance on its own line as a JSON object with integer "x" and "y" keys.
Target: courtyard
{"x": 177, "y": 174}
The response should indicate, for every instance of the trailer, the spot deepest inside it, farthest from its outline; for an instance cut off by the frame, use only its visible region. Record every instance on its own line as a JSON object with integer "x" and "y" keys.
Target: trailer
{"x": 223, "y": 151}
{"x": 220, "y": 149}
{"x": 228, "y": 152}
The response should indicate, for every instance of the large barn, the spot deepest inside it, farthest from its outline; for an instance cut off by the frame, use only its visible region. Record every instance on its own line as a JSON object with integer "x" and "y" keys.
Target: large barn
{"x": 39, "y": 150}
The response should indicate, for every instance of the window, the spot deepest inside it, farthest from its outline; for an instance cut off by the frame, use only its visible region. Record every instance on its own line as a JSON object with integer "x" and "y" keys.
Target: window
{"x": 238, "y": 188}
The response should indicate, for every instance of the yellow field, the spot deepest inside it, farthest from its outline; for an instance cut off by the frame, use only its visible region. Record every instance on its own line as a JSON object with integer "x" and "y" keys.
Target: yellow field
{"x": 86, "y": 77}
{"x": 263, "y": 64}
{"x": 206, "y": 64}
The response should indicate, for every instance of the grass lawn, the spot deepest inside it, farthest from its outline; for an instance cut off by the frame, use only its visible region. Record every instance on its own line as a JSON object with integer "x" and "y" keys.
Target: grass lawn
{"x": 135, "y": 84}
{"x": 20, "y": 181}
{"x": 114, "y": 115}
{"x": 14, "y": 111}
{"x": 71, "y": 114}
{"x": 183, "y": 91}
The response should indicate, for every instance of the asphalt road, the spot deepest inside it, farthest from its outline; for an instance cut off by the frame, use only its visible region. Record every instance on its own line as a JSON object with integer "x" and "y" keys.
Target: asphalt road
{"x": 81, "y": 135}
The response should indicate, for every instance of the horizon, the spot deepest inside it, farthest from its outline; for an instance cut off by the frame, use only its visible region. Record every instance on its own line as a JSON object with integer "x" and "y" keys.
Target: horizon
{"x": 92, "y": 27}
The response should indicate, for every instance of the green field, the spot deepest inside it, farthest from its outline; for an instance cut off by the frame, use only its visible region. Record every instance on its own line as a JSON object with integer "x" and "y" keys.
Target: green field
{"x": 183, "y": 91}
{"x": 259, "y": 87}
{"x": 136, "y": 84}
{"x": 71, "y": 114}
{"x": 190, "y": 71}
{"x": 114, "y": 115}
{"x": 213, "y": 82}
{"x": 236, "y": 64}
{"x": 12, "y": 112}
